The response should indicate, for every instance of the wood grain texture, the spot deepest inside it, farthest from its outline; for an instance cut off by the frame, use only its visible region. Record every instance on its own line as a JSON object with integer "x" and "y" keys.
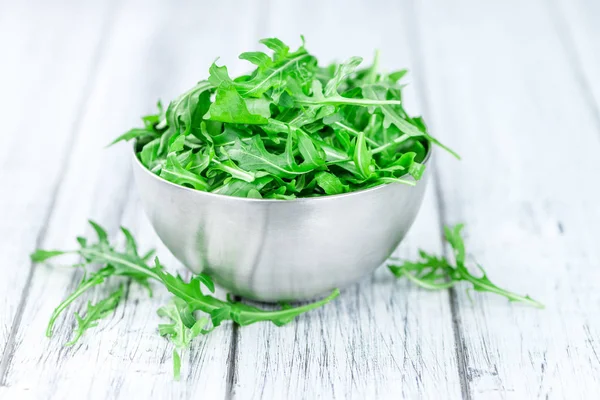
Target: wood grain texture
{"x": 499, "y": 83}
{"x": 146, "y": 55}
{"x": 577, "y": 25}
{"x": 45, "y": 77}
{"x": 381, "y": 338}
{"x": 512, "y": 86}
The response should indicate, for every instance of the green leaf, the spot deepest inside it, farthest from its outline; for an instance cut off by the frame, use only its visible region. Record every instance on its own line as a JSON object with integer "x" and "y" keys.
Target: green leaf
{"x": 206, "y": 280}
{"x": 454, "y": 238}
{"x": 176, "y": 365}
{"x": 232, "y": 169}
{"x": 220, "y": 314}
{"x": 218, "y": 75}
{"x": 100, "y": 232}
{"x": 181, "y": 330}
{"x": 259, "y": 107}
{"x": 395, "y": 76}
{"x": 407, "y": 162}
{"x": 275, "y": 75}
{"x": 330, "y": 183}
{"x": 173, "y": 171}
{"x": 257, "y": 58}
{"x": 230, "y": 107}
{"x": 130, "y": 244}
{"x": 389, "y": 179}
{"x": 370, "y": 75}
{"x": 279, "y": 48}
{"x": 245, "y": 315}
{"x": 436, "y": 273}
{"x": 149, "y": 153}
{"x": 319, "y": 98}
{"x": 178, "y": 144}
{"x": 393, "y": 114}
{"x": 86, "y": 283}
{"x": 94, "y": 313}
{"x": 199, "y": 162}
{"x": 342, "y": 71}
{"x": 134, "y": 133}
{"x": 190, "y": 106}
{"x": 42, "y": 255}
{"x": 362, "y": 156}
{"x": 312, "y": 154}
{"x": 253, "y": 156}
{"x": 238, "y": 188}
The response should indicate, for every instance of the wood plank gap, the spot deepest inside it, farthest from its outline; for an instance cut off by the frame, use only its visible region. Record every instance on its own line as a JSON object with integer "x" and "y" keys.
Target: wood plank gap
{"x": 8, "y": 353}
{"x": 414, "y": 44}
{"x": 574, "y": 59}
{"x": 232, "y": 365}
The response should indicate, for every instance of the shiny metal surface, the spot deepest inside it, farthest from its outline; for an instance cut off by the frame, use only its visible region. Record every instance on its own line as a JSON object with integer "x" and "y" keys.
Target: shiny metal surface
{"x": 278, "y": 250}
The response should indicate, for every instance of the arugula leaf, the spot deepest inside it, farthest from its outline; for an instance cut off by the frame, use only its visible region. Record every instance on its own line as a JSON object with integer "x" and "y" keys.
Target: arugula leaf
{"x": 280, "y": 49}
{"x": 218, "y": 75}
{"x": 135, "y": 133}
{"x": 188, "y": 295}
{"x": 230, "y": 107}
{"x": 182, "y": 329}
{"x": 313, "y": 155}
{"x": 232, "y": 169}
{"x": 149, "y": 154}
{"x": 43, "y": 255}
{"x": 330, "y": 183}
{"x": 174, "y": 172}
{"x": 393, "y": 114}
{"x": 246, "y": 315}
{"x": 238, "y": 188}
{"x": 86, "y": 283}
{"x": 342, "y": 71}
{"x": 257, "y": 58}
{"x": 94, "y": 313}
{"x": 362, "y": 156}
{"x": 275, "y": 75}
{"x": 436, "y": 273}
{"x": 253, "y": 156}
{"x": 320, "y": 98}
{"x": 189, "y": 107}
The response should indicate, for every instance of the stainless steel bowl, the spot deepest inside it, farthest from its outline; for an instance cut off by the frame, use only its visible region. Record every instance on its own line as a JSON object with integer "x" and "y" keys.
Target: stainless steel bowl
{"x": 280, "y": 250}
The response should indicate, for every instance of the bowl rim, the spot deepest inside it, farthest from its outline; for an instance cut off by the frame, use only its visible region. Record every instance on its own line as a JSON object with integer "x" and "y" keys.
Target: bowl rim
{"x": 196, "y": 192}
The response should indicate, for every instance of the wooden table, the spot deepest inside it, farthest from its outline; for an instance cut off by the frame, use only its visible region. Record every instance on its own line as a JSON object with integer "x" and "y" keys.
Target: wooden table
{"x": 513, "y": 86}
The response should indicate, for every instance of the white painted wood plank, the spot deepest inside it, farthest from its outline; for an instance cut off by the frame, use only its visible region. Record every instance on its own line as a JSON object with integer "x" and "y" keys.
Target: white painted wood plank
{"x": 500, "y": 84}
{"x": 577, "y": 25}
{"x": 147, "y": 55}
{"x": 44, "y": 77}
{"x": 382, "y": 338}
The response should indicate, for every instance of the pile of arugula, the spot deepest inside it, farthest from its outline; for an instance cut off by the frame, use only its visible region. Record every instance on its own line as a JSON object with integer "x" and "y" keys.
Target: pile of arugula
{"x": 102, "y": 260}
{"x": 288, "y": 129}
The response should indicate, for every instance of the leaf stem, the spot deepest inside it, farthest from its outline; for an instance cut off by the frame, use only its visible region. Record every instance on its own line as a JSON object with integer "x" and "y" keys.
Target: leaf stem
{"x": 423, "y": 283}
{"x": 96, "y": 279}
{"x": 339, "y": 100}
{"x": 355, "y": 133}
{"x": 251, "y": 317}
{"x": 480, "y": 285}
{"x": 394, "y": 142}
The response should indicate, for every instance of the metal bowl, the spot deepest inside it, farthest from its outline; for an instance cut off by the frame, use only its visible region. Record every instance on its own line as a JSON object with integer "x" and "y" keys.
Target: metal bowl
{"x": 280, "y": 250}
